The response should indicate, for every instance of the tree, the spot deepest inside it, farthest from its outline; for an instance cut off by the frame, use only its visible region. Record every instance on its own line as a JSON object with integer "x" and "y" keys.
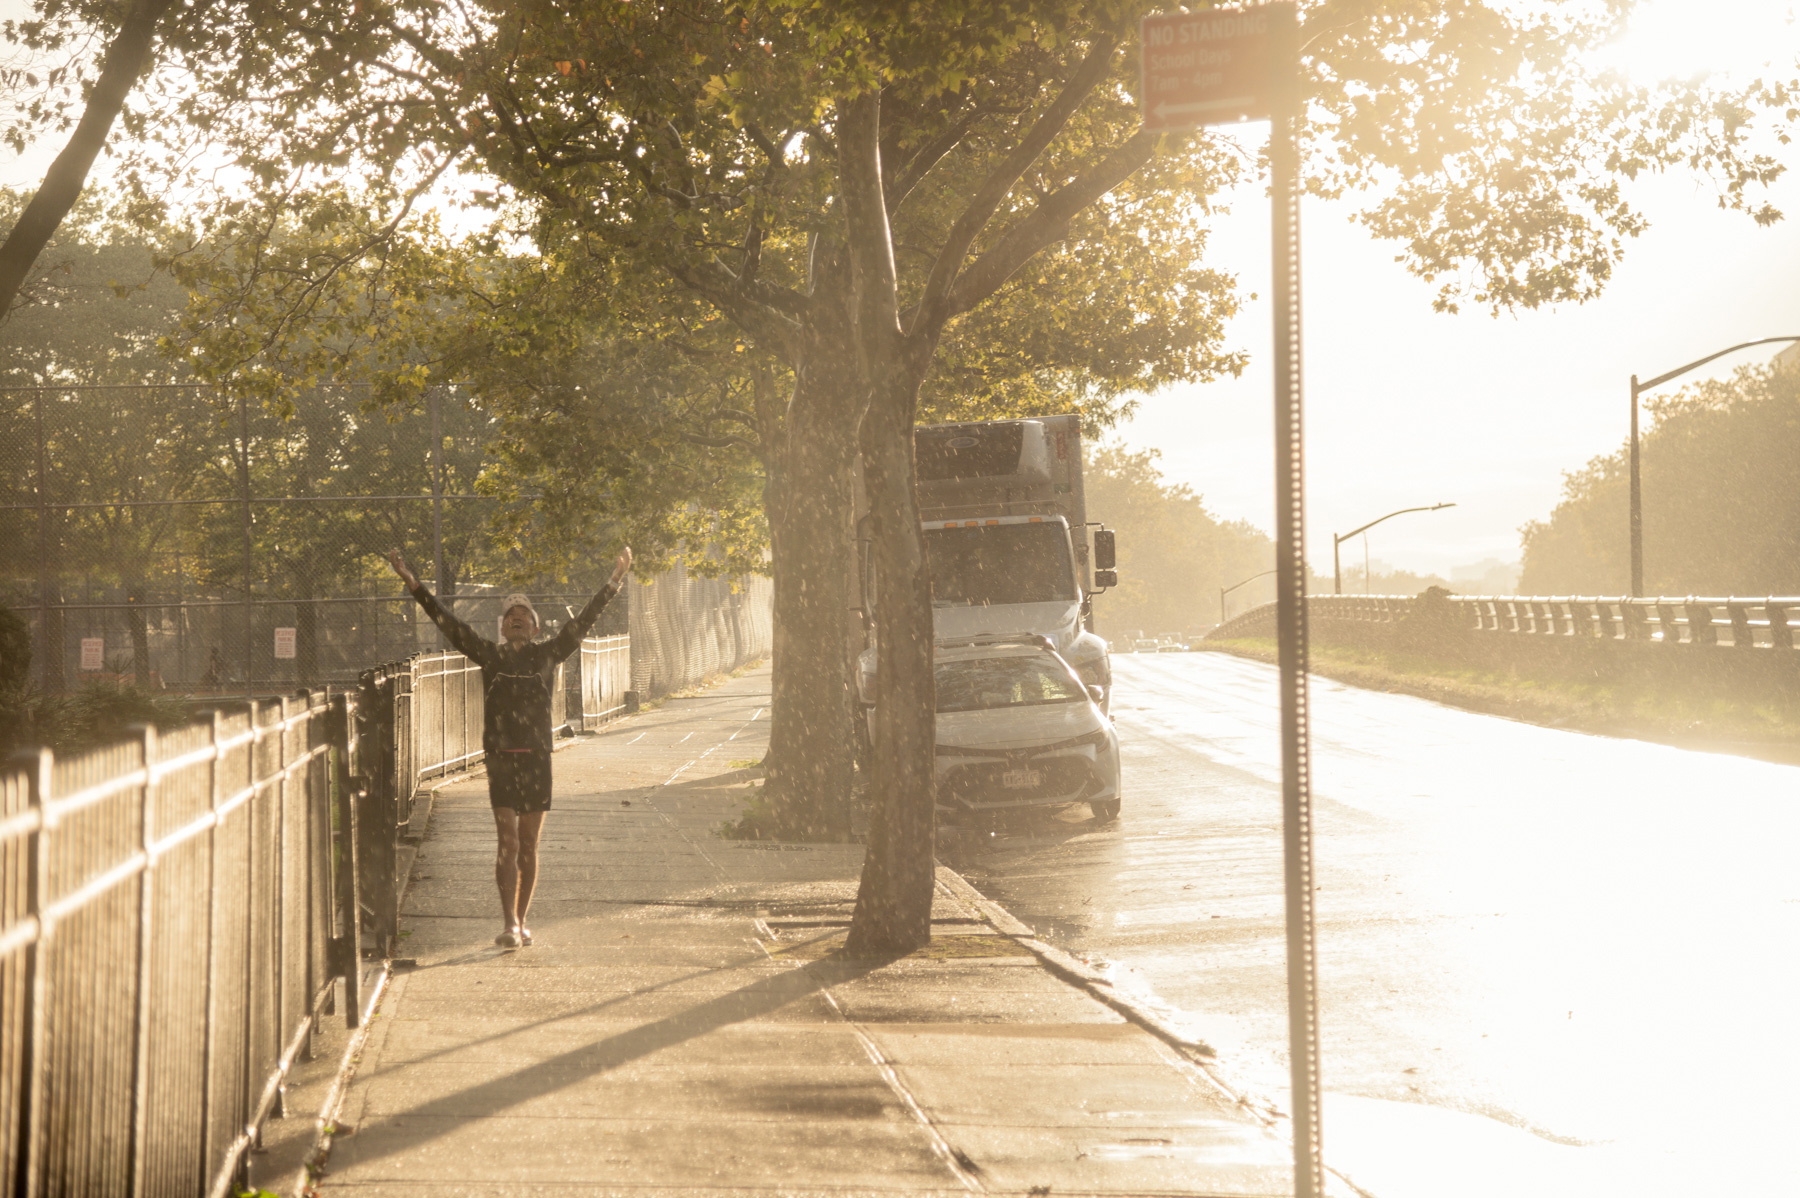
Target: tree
{"x": 1718, "y": 464}
{"x": 92, "y": 318}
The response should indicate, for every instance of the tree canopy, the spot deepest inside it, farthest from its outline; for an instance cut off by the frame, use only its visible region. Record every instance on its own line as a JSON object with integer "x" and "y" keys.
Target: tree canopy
{"x": 1719, "y": 461}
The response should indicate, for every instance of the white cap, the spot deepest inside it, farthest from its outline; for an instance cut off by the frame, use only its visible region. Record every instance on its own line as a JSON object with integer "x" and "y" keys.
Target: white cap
{"x": 512, "y": 601}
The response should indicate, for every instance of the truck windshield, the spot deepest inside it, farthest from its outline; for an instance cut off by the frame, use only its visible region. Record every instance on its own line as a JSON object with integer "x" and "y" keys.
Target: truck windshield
{"x": 1000, "y": 563}
{"x": 991, "y": 682}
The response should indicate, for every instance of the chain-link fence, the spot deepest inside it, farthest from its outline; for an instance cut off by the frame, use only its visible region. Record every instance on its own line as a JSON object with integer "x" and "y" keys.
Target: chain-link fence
{"x": 196, "y": 543}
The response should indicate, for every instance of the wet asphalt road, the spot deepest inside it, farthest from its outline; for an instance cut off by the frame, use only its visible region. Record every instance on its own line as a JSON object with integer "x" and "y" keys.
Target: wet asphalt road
{"x": 1551, "y": 963}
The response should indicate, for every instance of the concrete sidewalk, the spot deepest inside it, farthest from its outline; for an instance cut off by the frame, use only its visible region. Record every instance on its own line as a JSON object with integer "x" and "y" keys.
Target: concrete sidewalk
{"x": 682, "y": 1023}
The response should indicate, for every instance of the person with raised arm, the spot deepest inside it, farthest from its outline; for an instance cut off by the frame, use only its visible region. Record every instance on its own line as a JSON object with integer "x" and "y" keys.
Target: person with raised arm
{"x": 516, "y": 677}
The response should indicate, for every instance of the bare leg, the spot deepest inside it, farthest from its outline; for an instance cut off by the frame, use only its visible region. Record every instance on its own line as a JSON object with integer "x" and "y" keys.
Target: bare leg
{"x": 506, "y": 865}
{"x": 531, "y": 826}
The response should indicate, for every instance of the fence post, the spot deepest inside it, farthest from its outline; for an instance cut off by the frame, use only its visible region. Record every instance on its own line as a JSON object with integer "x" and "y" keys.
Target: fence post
{"x": 148, "y": 754}
{"x": 1780, "y": 635}
{"x": 346, "y": 946}
{"x": 37, "y": 1060}
{"x": 379, "y": 822}
{"x": 1700, "y": 623}
{"x": 1741, "y": 636}
{"x": 210, "y": 982}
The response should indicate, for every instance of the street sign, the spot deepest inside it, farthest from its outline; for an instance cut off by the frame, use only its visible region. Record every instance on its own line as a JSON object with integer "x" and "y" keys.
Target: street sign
{"x": 1205, "y": 68}
{"x": 284, "y": 643}
{"x": 93, "y": 652}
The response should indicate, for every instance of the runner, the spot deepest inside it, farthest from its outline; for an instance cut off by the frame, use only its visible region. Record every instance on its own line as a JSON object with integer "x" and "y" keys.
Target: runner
{"x": 516, "y": 678}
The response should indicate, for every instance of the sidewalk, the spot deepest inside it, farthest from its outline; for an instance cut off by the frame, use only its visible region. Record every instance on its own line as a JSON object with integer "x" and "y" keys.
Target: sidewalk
{"x": 682, "y": 1026}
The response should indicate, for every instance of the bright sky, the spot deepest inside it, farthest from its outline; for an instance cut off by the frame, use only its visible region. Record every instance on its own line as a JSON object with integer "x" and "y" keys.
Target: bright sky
{"x": 1406, "y": 407}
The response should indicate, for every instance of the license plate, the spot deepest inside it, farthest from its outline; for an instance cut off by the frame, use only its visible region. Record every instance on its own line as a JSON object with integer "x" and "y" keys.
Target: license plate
{"x": 1021, "y": 779}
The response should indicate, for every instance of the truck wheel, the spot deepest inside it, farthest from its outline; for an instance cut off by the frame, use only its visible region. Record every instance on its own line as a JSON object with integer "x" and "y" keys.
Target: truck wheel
{"x": 1104, "y": 808}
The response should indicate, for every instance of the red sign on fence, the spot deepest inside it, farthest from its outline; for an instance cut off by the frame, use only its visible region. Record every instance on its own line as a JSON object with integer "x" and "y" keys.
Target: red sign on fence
{"x": 1205, "y": 68}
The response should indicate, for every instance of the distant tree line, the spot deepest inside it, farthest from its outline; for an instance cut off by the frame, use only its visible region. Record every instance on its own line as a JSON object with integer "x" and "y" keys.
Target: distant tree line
{"x": 1174, "y": 555}
{"x": 1721, "y": 511}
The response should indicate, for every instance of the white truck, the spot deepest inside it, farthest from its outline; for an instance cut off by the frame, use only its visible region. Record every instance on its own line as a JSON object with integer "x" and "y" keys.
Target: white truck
{"x": 1008, "y": 540}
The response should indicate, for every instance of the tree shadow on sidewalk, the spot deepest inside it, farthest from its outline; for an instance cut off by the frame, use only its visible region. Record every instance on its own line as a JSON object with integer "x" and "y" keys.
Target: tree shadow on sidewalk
{"x": 547, "y": 1076}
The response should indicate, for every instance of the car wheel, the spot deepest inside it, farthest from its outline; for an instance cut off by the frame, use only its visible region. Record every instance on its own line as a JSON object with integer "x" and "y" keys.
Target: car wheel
{"x": 1104, "y": 808}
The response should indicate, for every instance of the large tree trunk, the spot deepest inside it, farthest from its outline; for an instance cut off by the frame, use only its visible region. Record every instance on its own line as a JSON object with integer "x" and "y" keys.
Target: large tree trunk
{"x": 808, "y": 763}
{"x": 893, "y": 903}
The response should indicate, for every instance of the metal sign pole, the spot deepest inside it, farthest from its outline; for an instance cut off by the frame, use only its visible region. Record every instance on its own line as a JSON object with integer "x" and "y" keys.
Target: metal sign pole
{"x": 1290, "y": 521}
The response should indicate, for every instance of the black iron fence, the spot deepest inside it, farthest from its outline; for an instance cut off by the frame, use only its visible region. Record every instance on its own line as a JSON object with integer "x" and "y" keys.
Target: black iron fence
{"x": 174, "y": 912}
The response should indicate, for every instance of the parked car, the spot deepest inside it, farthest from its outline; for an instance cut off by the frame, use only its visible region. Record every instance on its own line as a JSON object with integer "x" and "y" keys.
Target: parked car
{"x": 1016, "y": 727}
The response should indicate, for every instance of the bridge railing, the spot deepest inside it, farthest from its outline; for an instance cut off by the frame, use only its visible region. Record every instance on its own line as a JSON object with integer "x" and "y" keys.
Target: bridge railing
{"x": 174, "y": 912}
{"x": 1728, "y": 623}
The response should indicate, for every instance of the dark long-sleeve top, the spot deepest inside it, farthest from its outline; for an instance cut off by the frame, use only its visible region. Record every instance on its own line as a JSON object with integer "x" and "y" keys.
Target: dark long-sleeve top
{"x": 515, "y": 682}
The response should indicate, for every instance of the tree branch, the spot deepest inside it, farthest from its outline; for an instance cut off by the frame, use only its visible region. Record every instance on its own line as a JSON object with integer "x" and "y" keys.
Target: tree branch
{"x": 1046, "y": 224}
{"x": 933, "y": 307}
{"x": 126, "y": 58}
{"x": 928, "y": 156}
{"x": 868, "y": 236}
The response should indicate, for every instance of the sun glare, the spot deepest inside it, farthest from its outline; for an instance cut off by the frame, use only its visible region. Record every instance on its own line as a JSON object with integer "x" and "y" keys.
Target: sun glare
{"x": 1683, "y": 38}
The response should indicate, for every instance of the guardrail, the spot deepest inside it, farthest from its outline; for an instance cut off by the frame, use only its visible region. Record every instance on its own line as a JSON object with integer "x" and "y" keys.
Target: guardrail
{"x": 1730, "y": 623}
{"x": 174, "y": 912}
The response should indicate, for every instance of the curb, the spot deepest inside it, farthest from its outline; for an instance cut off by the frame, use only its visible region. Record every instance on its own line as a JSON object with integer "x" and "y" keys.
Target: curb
{"x": 1086, "y": 978}
{"x": 324, "y": 1124}
{"x": 1074, "y": 971}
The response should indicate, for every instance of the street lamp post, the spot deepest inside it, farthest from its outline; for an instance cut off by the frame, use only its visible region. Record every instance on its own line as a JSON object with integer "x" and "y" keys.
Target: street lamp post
{"x": 1637, "y": 487}
{"x": 1337, "y": 572}
{"x": 1224, "y": 591}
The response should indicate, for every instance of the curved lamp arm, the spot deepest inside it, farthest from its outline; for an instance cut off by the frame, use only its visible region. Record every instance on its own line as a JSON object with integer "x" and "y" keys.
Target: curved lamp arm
{"x": 1371, "y": 524}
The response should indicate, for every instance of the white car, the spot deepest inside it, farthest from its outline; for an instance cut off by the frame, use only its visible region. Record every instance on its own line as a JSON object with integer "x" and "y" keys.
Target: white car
{"x": 1016, "y": 727}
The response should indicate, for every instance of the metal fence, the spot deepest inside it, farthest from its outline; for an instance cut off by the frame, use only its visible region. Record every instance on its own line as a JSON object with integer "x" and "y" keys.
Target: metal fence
{"x": 173, "y": 913}
{"x": 685, "y": 629}
{"x": 603, "y": 677}
{"x": 1730, "y": 623}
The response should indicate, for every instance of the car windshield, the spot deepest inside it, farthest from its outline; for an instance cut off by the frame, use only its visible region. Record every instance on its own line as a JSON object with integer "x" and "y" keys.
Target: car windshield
{"x": 1000, "y": 563}
{"x": 985, "y": 683}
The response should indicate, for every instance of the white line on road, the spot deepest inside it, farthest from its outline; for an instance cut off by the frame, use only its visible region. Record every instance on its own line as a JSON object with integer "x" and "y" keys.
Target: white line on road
{"x": 759, "y": 712}
{"x": 685, "y": 739}
{"x": 640, "y": 736}
{"x": 680, "y": 771}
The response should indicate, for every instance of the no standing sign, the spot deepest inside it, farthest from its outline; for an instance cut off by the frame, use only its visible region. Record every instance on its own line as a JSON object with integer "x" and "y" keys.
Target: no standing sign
{"x": 1206, "y": 68}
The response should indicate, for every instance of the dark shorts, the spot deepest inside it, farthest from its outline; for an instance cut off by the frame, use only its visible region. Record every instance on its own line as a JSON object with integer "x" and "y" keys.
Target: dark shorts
{"x": 520, "y": 781}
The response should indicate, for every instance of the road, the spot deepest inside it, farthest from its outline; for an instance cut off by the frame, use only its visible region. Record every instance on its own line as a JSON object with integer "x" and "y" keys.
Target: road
{"x": 1551, "y": 963}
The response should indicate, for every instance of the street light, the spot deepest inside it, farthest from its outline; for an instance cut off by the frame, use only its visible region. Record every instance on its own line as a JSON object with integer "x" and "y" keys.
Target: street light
{"x": 1637, "y": 489}
{"x": 1337, "y": 573}
{"x": 1224, "y": 591}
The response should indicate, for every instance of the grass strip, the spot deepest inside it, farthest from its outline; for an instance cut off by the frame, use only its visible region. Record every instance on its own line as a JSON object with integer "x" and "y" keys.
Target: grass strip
{"x": 1658, "y": 713}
